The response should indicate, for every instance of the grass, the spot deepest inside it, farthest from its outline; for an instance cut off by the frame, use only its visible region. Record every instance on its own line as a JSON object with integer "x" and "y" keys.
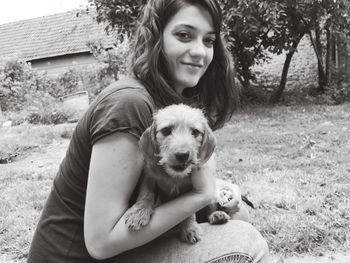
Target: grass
{"x": 292, "y": 162}
{"x": 25, "y": 181}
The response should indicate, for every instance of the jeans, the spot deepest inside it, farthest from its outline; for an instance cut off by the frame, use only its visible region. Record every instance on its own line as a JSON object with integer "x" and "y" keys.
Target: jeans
{"x": 234, "y": 241}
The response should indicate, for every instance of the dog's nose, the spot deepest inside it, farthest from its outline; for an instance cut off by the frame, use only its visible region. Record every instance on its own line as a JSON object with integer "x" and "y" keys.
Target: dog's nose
{"x": 182, "y": 157}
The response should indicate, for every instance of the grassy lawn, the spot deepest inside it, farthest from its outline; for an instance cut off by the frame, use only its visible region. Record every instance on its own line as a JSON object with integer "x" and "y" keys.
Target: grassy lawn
{"x": 292, "y": 162}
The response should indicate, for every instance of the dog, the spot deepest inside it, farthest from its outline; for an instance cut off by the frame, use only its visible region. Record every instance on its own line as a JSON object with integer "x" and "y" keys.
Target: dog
{"x": 178, "y": 141}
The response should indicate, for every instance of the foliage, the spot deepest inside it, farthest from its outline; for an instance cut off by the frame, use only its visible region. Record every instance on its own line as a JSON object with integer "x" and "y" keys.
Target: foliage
{"x": 118, "y": 14}
{"x": 18, "y": 82}
{"x": 251, "y": 27}
{"x": 27, "y": 95}
{"x": 327, "y": 21}
{"x": 114, "y": 59}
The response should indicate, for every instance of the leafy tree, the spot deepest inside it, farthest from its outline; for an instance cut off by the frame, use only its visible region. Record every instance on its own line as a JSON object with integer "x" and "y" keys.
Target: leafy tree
{"x": 251, "y": 27}
{"x": 322, "y": 21}
{"x": 326, "y": 21}
{"x": 118, "y": 15}
{"x": 293, "y": 30}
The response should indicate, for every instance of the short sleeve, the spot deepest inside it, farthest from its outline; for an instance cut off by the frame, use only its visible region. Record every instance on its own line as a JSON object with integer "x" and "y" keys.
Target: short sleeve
{"x": 126, "y": 110}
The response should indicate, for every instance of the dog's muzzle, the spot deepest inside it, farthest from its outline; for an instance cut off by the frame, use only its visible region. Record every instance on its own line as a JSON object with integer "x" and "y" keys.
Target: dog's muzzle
{"x": 182, "y": 161}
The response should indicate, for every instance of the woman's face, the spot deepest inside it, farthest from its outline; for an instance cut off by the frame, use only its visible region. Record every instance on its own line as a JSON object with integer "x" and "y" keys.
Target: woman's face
{"x": 188, "y": 41}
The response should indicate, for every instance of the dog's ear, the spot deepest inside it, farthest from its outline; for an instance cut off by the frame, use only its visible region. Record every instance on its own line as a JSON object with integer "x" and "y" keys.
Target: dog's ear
{"x": 208, "y": 145}
{"x": 148, "y": 144}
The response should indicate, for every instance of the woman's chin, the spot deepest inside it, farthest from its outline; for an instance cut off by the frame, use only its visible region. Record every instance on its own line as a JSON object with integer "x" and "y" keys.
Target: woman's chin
{"x": 189, "y": 83}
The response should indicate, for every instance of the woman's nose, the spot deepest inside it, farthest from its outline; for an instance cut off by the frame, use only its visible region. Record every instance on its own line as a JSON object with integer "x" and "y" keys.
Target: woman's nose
{"x": 197, "y": 49}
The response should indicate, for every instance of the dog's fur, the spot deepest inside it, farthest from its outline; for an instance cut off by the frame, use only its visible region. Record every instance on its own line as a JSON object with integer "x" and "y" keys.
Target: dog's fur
{"x": 178, "y": 141}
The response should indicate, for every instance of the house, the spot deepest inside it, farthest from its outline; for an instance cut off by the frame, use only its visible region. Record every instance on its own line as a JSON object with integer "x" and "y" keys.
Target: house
{"x": 55, "y": 42}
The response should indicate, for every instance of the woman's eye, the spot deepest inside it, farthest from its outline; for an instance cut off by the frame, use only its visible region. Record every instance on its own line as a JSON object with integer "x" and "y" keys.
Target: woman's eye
{"x": 166, "y": 131}
{"x": 195, "y": 132}
{"x": 209, "y": 42}
{"x": 229, "y": 199}
{"x": 183, "y": 35}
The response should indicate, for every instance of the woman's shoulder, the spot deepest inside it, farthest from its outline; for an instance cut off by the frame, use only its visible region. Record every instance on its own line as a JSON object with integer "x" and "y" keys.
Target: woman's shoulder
{"x": 124, "y": 93}
{"x": 124, "y": 106}
{"x": 126, "y": 86}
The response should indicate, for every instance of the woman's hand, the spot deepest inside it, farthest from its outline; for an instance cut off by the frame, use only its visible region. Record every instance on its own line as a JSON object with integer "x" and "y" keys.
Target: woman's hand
{"x": 203, "y": 179}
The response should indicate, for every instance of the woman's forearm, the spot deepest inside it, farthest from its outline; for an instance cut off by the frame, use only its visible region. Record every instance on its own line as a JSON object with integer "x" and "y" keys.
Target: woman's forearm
{"x": 164, "y": 218}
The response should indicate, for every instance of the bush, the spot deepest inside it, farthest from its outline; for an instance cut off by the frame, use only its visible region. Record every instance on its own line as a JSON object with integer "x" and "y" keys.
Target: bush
{"x": 25, "y": 94}
{"x": 34, "y": 97}
{"x": 339, "y": 89}
{"x": 339, "y": 93}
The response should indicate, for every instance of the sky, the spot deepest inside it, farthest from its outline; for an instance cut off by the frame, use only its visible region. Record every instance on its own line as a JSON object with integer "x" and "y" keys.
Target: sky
{"x": 14, "y": 10}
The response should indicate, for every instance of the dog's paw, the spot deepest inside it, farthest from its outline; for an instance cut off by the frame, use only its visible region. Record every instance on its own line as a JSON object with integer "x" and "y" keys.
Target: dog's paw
{"x": 218, "y": 217}
{"x": 191, "y": 234}
{"x": 138, "y": 216}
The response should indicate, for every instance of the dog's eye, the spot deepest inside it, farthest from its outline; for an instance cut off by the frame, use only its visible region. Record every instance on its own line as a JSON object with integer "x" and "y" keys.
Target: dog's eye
{"x": 166, "y": 131}
{"x": 195, "y": 132}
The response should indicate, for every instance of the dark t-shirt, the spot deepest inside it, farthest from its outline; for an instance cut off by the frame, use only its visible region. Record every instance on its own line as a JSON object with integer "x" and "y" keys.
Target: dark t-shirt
{"x": 125, "y": 106}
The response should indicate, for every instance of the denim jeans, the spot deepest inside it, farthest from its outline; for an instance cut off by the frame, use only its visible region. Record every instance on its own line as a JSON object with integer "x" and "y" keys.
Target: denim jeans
{"x": 234, "y": 241}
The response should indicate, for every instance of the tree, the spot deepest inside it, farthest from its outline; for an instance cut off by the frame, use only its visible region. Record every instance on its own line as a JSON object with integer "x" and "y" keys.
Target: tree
{"x": 323, "y": 21}
{"x": 326, "y": 21}
{"x": 293, "y": 31}
{"x": 251, "y": 27}
{"x": 118, "y": 15}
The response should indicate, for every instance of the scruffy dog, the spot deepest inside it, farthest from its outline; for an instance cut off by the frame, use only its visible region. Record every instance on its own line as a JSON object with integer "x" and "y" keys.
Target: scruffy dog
{"x": 178, "y": 141}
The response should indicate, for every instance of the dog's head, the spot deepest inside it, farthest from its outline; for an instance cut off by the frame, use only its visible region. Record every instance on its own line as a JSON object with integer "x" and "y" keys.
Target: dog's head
{"x": 179, "y": 139}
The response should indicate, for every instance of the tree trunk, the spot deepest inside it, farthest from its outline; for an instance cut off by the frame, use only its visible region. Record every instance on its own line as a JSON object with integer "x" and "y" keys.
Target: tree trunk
{"x": 247, "y": 91}
{"x": 329, "y": 54}
{"x": 331, "y": 59}
{"x": 316, "y": 43}
{"x": 275, "y": 98}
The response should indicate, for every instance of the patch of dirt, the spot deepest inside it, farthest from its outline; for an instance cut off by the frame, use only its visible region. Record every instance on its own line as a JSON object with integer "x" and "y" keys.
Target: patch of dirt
{"x": 49, "y": 156}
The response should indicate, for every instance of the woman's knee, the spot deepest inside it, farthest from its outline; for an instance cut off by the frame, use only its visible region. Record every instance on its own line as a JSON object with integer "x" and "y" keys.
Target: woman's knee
{"x": 236, "y": 236}
{"x": 230, "y": 240}
{"x": 242, "y": 214}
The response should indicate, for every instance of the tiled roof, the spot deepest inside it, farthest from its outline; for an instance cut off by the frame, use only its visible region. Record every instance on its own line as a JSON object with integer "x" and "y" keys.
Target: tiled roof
{"x": 50, "y": 36}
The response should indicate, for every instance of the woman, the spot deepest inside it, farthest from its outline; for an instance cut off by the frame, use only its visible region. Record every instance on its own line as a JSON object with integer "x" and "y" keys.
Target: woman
{"x": 178, "y": 57}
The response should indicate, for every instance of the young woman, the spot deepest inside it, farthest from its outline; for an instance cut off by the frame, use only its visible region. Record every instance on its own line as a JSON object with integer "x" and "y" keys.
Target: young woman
{"x": 178, "y": 57}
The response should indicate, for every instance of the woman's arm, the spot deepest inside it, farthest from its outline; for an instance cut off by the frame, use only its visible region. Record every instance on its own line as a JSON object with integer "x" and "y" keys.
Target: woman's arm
{"x": 115, "y": 167}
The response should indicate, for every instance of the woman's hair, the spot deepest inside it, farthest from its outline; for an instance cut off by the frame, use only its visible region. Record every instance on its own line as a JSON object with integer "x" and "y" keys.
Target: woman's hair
{"x": 217, "y": 94}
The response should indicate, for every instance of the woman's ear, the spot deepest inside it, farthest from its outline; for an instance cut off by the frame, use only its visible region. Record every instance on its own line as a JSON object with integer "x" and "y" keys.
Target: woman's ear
{"x": 149, "y": 145}
{"x": 208, "y": 145}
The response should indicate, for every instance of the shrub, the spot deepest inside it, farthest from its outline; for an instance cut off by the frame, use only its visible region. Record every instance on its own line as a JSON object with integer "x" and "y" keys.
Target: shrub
{"x": 32, "y": 96}
{"x": 18, "y": 82}
{"x": 339, "y": 90}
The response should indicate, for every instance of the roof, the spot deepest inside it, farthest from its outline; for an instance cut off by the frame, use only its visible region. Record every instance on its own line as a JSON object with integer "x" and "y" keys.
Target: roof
{"x": 50, "y": 36}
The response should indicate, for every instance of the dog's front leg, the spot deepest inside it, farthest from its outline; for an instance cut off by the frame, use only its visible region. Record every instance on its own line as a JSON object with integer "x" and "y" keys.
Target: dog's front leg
{"x": 190, "y": 231}
{"x": 141, "y": 212}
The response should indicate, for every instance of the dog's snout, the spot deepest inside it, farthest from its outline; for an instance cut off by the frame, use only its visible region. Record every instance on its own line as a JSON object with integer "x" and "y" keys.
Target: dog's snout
{"x": 182, "y": 156}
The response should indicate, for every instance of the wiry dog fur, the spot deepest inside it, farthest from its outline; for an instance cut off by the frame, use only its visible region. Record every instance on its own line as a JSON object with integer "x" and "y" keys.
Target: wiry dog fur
{"x": 178, "y": 141}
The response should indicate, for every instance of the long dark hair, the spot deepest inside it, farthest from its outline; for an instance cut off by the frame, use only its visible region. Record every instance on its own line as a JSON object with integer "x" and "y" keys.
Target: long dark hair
{"x": 217, "y": 94}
